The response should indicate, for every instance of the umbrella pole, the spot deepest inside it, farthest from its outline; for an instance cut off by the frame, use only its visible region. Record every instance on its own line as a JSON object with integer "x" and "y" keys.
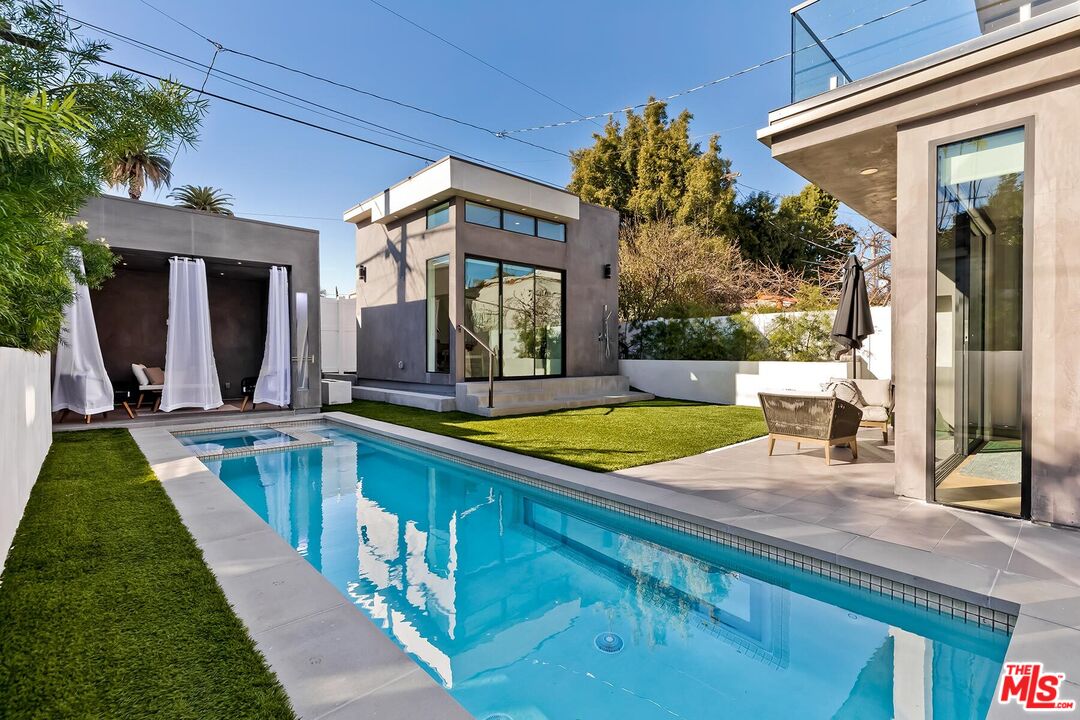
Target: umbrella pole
{"x": 854, "y": 364}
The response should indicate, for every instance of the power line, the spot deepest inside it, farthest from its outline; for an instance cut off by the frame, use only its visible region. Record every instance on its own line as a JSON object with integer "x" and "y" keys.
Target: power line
{"x": 710, "y": 83}
{"x": 245, "y": 83}
{"x": 352, "y": 88}
{"x": 478, "y": 59}
{"x": 265, "y": 111}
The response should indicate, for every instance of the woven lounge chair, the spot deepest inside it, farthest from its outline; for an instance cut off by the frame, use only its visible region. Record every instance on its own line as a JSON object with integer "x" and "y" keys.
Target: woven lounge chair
{"x": 815, "y": 419}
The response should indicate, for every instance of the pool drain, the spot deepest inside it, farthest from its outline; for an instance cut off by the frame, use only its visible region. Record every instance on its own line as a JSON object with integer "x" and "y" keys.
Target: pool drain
{"x": 499, "y": 716}
{"x": 608, "y": 642}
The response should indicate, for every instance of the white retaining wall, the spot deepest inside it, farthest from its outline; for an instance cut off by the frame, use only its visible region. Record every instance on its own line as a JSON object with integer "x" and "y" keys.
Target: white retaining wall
{"x": 727, "y": 382}
{"x": 25, "y": 433}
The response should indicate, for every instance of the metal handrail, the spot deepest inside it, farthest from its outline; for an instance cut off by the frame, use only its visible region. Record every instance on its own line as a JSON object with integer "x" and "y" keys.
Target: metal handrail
{"x": 492, "y": 356}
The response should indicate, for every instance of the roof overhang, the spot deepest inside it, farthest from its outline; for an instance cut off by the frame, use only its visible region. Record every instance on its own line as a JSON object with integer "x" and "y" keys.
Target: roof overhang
{"x": 451, "y": 177}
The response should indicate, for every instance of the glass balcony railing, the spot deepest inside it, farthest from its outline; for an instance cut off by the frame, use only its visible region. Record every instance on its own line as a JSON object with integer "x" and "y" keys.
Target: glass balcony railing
{"x": 834, "y": 42}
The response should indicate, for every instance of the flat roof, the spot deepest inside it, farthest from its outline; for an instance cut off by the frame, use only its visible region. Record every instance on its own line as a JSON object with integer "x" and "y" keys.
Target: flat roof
{"x": 453, "y": 176}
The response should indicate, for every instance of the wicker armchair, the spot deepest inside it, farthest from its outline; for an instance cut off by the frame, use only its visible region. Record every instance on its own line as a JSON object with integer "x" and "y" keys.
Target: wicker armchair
{"x": 816, "y": 419}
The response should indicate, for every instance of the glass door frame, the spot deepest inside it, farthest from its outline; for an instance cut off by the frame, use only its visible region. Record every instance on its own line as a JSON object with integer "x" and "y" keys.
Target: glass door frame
{"x": 562, "y": 310}
{"x": 1028, "y": 126}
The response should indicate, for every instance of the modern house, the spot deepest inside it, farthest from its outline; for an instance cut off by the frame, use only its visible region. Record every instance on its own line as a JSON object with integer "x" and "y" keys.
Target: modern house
{"x": 957, "y": 130}
{"x": 131, "y": 310}
{"x": 466, "y": 273}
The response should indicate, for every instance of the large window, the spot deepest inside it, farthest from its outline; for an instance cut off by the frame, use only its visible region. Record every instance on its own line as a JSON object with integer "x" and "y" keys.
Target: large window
{"x": 515, "y": 222}
{"x": 518, "y": 311}
{"x": 438, "y": 315}
{"x": 979, "y": 357}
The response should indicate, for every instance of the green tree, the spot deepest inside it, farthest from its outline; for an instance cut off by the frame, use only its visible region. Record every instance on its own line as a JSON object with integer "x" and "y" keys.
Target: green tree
{"x": 69, "y": 120}
{"x": 797, "y": 233}
{"x": 203, "y": 197}
{"x": 650, "y": 170}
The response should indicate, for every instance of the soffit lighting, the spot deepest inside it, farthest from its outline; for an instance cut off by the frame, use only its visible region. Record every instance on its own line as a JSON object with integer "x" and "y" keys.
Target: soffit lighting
{"x": 868, "y": 171}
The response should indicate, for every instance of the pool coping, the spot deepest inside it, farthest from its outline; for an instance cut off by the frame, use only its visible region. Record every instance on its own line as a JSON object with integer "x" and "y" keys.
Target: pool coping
{"x": 1047, "y": 613}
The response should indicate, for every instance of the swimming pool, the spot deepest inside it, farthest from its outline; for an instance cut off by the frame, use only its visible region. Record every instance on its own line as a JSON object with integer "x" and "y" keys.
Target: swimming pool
{"x": 526, "y": 604}
{"x": 215, "y": 441}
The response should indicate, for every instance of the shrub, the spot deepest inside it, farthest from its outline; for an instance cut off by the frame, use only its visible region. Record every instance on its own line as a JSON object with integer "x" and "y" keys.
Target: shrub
{"x": 804, "y": 337}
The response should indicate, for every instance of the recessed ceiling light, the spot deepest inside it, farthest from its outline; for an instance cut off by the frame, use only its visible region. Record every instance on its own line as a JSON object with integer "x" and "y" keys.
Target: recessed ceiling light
{"x": 221, "y": 274}
{"x": 868, "y": 171}
{"x": 125, "y": 263}
{"x": 894, "y": 198}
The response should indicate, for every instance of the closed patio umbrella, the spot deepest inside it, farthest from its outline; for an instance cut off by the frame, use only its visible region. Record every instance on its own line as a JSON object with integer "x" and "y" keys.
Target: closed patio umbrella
{"x": 853, "y": 324}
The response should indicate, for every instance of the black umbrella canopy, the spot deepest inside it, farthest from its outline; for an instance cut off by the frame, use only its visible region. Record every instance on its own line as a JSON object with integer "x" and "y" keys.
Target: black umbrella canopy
{"x": 853, "y": 324}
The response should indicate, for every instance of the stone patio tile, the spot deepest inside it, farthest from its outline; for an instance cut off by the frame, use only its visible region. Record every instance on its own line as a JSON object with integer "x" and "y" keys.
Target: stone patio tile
{"x": 918, "y": 525}
{"x": 259, "y": 597}
{"x": 1047, "y": 552}
{"x": 793, "y": 534}
{"x": 950, "y": 576}
{"x": 410, "y": 697}
{"x": 331, "y": 658}
{"x": 1045, "y": 599}
{"x": 1056, "y": 646}
{"x": 980, "y": 538}
{"x": 243, "y": 554}
{"x": 805, "y": 510}
{"x": 764, "y": 501}
{"x": 854, "y": 519}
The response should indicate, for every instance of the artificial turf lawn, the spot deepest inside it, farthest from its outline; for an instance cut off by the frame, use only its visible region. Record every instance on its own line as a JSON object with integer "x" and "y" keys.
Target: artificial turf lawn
{"x": 106, "y": 606}
{"x": 601, "y": 438}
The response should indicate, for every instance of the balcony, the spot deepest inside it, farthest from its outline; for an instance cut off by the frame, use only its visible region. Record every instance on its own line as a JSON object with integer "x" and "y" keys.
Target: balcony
{"x": 836, "y": 42}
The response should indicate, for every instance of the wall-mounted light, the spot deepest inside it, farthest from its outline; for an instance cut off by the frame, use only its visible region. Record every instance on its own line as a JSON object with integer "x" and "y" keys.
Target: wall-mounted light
{"x": 361, "y": 272}
{"x": 607, "y": 271}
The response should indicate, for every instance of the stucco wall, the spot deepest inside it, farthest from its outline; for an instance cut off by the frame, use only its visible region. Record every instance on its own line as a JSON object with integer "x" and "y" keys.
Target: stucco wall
{"x": 146, "y": 226}
{"x": 25, "y": 434}
{"x": 391, "y": 304}
{"x": 1053, "y": 292}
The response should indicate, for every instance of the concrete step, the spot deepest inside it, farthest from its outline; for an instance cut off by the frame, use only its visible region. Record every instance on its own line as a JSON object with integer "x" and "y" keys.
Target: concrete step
{"x": 408, "y": 398}
{"x": 549, "y": 387}
{"x": 478, "y": 406}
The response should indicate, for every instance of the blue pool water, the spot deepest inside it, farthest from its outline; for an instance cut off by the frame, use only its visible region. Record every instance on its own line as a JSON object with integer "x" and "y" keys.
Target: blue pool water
{"x": 212, "y": 442}
{"x": 528, "y": 605}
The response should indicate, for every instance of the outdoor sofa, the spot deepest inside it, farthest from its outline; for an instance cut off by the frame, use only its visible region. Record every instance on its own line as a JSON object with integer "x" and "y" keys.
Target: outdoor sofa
{"x": 816, "y": 419}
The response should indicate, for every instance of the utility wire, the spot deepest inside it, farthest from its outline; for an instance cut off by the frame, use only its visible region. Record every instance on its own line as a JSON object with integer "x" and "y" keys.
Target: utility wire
{"x": 352, "y": 88}
{"x": 710, "y": 83}
{"x": 478, "y": 59}
{"x": 246, "y": 84}
{"x": 265, "y": 111}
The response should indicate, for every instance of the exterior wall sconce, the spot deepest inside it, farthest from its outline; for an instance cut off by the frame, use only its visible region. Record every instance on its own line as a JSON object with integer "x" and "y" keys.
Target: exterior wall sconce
{"x": 361, "y": 272}
{"x": 607, "y": 271}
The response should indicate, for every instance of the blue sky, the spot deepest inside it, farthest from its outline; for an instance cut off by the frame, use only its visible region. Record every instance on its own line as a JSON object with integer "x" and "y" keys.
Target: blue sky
{"x": 591, "y": 56}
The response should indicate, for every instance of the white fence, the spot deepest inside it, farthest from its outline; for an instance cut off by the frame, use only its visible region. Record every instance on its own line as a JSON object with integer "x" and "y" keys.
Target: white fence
{"x": 737, "y": 382}
{"x": 727, "y": 382}
{"x": 25, "y": 434}
{"x": 338, "y": 334}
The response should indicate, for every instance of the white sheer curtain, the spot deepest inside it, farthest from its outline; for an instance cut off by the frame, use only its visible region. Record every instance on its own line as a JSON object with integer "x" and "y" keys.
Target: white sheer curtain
{"x": 81, "y": 384}
{"x": 274, "y": 385}
{"x": 191, "y": 378}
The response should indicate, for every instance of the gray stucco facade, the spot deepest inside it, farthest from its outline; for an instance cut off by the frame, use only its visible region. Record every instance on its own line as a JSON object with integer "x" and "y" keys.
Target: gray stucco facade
{"x": 238, "y": 253}
{"x": 392, "y": 302}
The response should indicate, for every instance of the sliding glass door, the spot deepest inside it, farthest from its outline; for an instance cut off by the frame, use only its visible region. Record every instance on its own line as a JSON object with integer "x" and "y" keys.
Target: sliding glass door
{"x": 518, "y": 311}
{"x": 979, "y": 385}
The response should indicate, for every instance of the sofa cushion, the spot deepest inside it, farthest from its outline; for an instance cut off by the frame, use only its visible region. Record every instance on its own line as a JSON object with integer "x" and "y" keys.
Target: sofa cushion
{"x": 876, "y": 392}
{"x": 875, "y": 413}
{"x": 155, "y": 375}
{"x": 845, "y": 390}
{"x": 140, "y": 373}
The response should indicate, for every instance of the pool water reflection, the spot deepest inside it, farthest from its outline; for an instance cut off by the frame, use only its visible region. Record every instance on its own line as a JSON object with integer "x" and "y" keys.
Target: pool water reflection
{"x": 531, "y": 605}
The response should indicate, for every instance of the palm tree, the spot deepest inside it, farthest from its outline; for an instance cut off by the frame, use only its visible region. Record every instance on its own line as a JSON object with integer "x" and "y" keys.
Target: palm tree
{"x": 203, "y": 197}
{"x": 136, "y": 166}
